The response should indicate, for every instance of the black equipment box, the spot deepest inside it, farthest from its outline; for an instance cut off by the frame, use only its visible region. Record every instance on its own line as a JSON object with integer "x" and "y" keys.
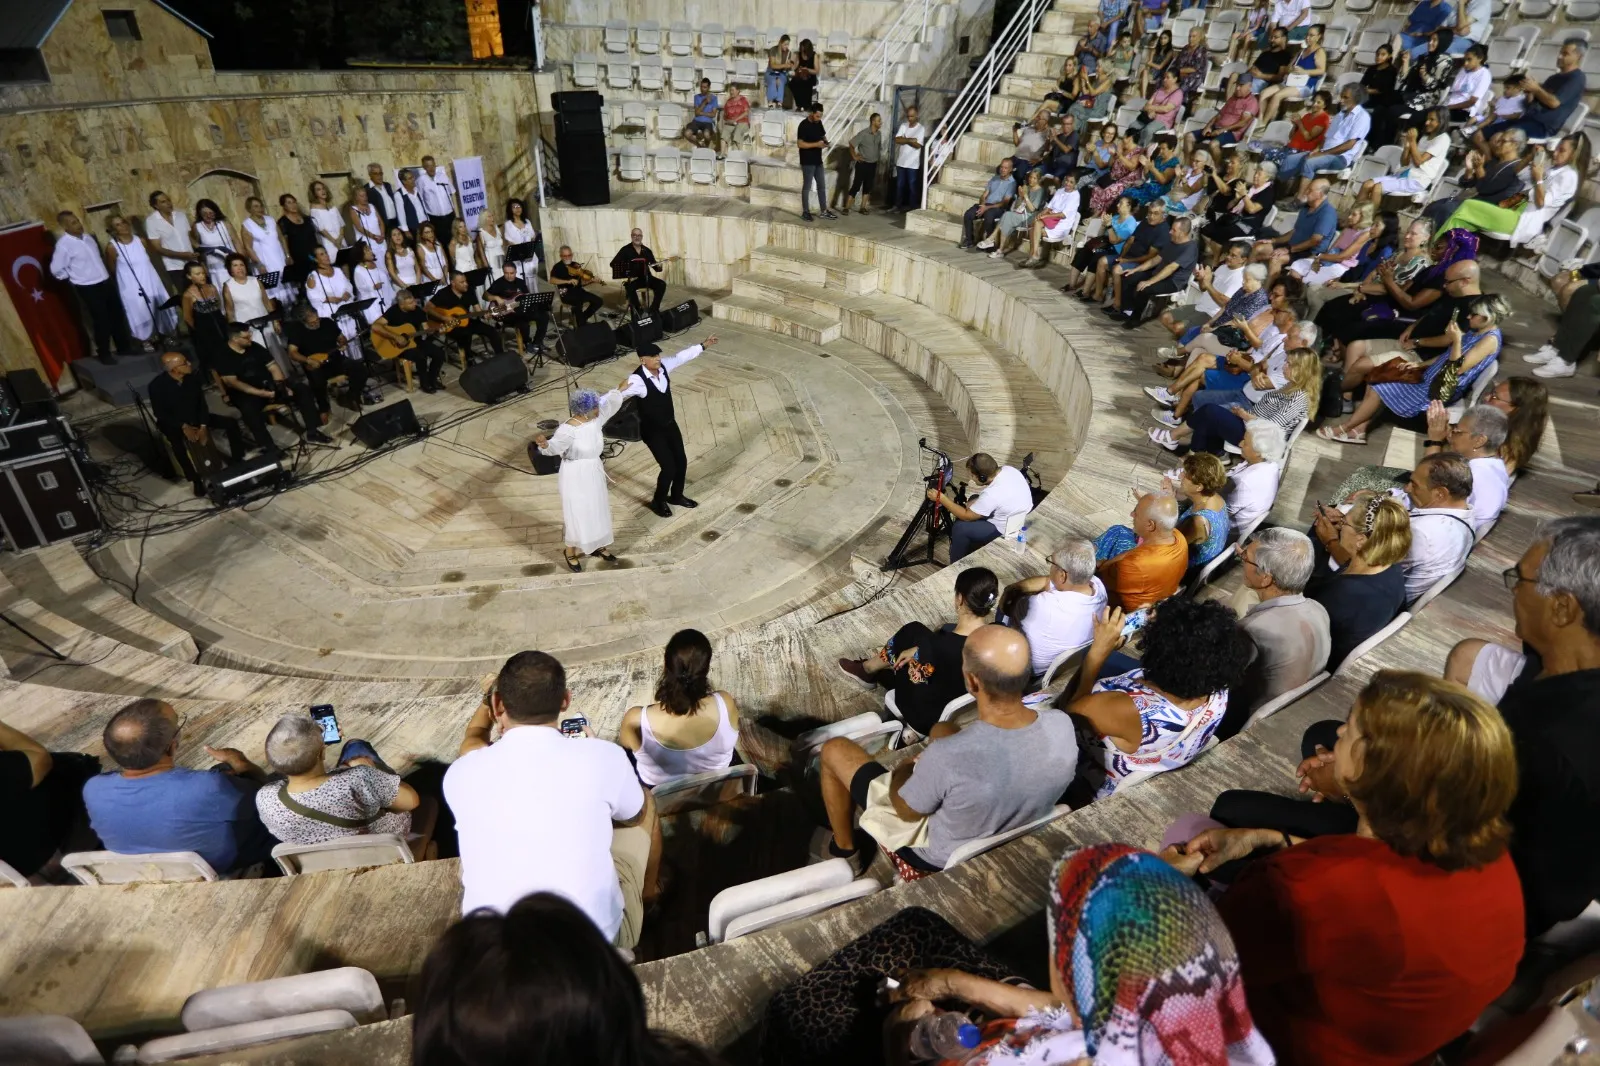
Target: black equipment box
{"x": 44, "y": 499}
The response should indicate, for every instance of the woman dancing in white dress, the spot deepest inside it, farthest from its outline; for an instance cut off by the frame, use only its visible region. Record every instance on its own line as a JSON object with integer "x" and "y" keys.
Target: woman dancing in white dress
{"x": 585, "y": 500}
{"x": 142, "y": 286}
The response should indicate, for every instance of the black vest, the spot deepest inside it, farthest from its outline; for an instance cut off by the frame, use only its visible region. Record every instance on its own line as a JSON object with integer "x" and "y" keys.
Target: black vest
{"x": 655, "y": 406}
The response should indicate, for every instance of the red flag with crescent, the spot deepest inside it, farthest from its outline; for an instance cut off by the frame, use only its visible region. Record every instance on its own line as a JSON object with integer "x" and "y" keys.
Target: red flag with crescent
{"x": 42, "y": 302}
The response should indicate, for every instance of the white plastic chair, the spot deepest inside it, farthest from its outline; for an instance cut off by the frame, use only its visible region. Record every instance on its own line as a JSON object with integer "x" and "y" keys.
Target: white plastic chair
{"x": 647, "y": 38}
{"x": 754, "y": 905}
{"x": 773, "y": 35}
{"x": 811, "y": 34}
{"x": 1574, "y": 123}
{"x": 635, "y": 118}
{"x": 680, "y": 39}
{"x": 10, "y": 878}
{"x": 837, "y": 45}
{"x": 711, "y": 39}
{"x": 1510, "y": 46}
{"x": 347, "y": 988}
{"x": 1480, "y": 385}
{"x": 1183, "y": 22}
{"x": 694, "y": 791}
{"x": 247, "y": 1034}
{"x": 1217, "y": 79}
{"x": 1379, "y": 32}
{"x": 773, "y": 133}
{"x": 807, "y": 744}
{"x": 1342, "y": 30}
{"x": 667, "y": 164}
{"x": 669, "y": 122}
{"x": 744, "y": 38}
{"x": 619, "y": 74}
{"x": 652, "y": 75}
{"x": 1198, "y": 120}
{"x": 617, "y": 36}
{"x": 343, "y": 853}
{"x": 1377, "y": 163}
{"x": 585, "y": 70}
{"x": 156, "y": 868}
{"x": 973, "y": 848}
{"x": 736, "y": 169}
{"x": 716, "y": 71}
{"x": 1360, "y": 5}
{"x": 48, "y": 1038}
{"x": 1128, "y": 111}
{"x": 1535, "y": 9}
{"x": 682, "y": 75}
{"x": 748, "y": 72}
{"x": 1583, "y": 11}
{"x": 1278, "y": 703}
{"x": 1220, "y": 30}
{"x": 1276, "y": 133}
{"x": 631, "y": 163}
{"x": 1569, "y": 240}
{"x": 703, "y": 166}
{"x": 1064, "y": 663}
{"x": 1373, "y": 641}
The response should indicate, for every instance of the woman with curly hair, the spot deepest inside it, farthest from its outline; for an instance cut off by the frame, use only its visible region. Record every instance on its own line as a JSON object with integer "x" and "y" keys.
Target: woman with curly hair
{"x": 1158, "y": 715}
{"x": 1380, "y": 942}
{"x": 691, "y": 728}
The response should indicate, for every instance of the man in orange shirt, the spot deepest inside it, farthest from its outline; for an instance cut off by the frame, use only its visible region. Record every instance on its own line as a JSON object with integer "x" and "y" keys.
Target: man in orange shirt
{"x": 1153, "y": 569}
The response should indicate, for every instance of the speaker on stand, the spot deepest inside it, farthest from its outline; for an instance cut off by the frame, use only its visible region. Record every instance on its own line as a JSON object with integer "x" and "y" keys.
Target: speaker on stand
{"x": 581, "y": 148}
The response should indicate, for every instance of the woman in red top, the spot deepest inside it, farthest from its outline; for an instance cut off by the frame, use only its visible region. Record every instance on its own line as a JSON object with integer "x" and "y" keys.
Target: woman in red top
{"x": 1377, "y": 948}
{"x": 1304, "y": 139}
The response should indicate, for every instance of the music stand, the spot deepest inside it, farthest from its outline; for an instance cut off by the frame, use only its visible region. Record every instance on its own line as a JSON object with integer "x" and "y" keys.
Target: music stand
{"x": 476, "y": 278}
{"x": 424, "y": 289}
{"x": 271, "y": 279}
{"x": 530, "y": 304}
{"x": 519, "y": 254}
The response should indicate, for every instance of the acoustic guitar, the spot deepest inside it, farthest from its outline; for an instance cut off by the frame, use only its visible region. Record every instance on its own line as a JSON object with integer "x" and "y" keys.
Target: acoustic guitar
{"x": 458, "y": 316}
{"x": 388, "y": 349}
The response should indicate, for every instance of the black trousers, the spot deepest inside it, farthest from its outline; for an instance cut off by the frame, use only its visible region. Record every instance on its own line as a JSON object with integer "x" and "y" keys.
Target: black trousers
{"x": 1136, "y": 300}
{"x": 106, "y": 320}
{"x": 180, "y": 443}
{"x": 540, "y": 320}
{"x": 1243, "y": 809}
{"x": 428, "y": 357}
{"x": 583, "y": 302}
{"x": 253, "y": 412}
{"x": 354, "y": 369}
{"x": 866, "y": 179}
{"x": 442, "y": 224}
{"x": 462, "y": 336}
{"x": 666, "y": 444}
{"x": 1579, "y": 323}
{"x": 657, "y": 287}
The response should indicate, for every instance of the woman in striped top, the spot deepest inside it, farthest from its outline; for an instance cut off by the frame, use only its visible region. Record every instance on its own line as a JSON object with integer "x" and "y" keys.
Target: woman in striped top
{"x": 1210, "y": 426}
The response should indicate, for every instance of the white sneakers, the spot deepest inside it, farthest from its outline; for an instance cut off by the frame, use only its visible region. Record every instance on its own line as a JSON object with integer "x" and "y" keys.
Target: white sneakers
{"x": 1161, "y": 395}
{"x": 1555, "y": 367}
{"x": 1546, "y": 353}
{"x": 984, "y": 246}
{"x": 1163, "y": 437}
{"x": 996, "y": 254}
{"x": 1166, "y": 417}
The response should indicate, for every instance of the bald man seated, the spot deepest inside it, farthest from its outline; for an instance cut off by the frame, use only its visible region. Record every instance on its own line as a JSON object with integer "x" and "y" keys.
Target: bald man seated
{"x": 1153, "y": 568}
{"x": 1004, "y": 770}
{"x": 179, "y": 406}
{"x": 152, "y": 804}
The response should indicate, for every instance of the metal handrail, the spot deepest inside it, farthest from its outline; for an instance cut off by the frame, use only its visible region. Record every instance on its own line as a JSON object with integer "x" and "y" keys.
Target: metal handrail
{"x": 974, "y": 98}
{"x": 907, "y": 29}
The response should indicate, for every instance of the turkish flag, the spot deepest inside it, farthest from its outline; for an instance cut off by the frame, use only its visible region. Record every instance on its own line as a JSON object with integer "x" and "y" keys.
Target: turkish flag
{"x": 43, "y": 303}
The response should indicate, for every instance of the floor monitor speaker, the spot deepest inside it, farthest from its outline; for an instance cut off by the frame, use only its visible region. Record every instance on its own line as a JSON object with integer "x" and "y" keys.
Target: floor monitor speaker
{"x": 494, "y": 379}
{"x": 643, "y": 328}
{"x": 684, "y": 316}
{"x": 624, "y": 425}
{"x": 377, "y": 428}
{"x": 588, "y": 344}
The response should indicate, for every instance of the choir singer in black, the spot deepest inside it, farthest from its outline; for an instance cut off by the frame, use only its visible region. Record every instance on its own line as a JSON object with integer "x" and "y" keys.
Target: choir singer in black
{"x": 641, "y": 267}
{"x": 179, "y": 406}
{"x": 658, "y": 423}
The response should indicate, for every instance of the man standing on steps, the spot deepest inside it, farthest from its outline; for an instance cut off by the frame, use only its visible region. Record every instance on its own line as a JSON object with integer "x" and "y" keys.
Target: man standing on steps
{"x": 908, "y": 140}
{"x": 658, "y": 424}
{"x": 813, "y": 139}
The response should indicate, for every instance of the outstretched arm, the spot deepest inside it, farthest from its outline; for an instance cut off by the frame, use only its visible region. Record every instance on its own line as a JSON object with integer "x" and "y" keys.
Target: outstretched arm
{"x": 673, "y": 362}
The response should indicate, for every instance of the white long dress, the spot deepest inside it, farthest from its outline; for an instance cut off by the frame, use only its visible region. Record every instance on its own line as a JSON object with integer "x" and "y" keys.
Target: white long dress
{"x": 368, "y": 227}
{"x": 327, "y": 220}
{"x": 515, "y": 234}
{"x": 405, "y": 269}
{"x": 324, "y": 293}
{"x": 216, "y": 235}
{"x": 372, "y": 283}
{"x": 494, "y": 247}
{"x": 267, "y": 245}
{"x": 585, "y": 500}
{"x": 143, "y": 290}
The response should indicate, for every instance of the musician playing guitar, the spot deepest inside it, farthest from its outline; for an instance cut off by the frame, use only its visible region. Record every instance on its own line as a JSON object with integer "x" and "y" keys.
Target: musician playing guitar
{"x": 317, "y": 347}
{"x": 569, "y": 278}
{"x": 640, "y": 265}
{"x": 402, "y": 333}
{"x": 452, "y": 306}
{"x": 503, "y": 295}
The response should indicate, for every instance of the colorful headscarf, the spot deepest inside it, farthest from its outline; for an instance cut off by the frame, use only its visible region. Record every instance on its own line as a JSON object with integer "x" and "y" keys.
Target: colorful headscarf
{"x": 1148, "y": 966}
{"x": 1459, "y": 244}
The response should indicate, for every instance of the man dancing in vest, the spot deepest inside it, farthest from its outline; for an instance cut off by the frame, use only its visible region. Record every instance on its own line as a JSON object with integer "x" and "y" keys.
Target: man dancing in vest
{"x": 658, "y": 425}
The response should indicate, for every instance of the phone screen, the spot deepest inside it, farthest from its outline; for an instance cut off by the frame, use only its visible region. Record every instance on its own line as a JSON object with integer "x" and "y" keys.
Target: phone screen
{"x": 322, "y": 714}
{"x": 574, "y": 727}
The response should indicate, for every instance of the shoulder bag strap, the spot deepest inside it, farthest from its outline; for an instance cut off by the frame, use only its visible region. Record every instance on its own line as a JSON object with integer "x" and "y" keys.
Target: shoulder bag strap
{"x": 322, "y": 816}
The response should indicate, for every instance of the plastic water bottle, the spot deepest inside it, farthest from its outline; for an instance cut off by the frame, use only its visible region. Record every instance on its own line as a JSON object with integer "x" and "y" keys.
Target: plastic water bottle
{"x": 945, "y": 1035}
{"x": 1019, "y": 543}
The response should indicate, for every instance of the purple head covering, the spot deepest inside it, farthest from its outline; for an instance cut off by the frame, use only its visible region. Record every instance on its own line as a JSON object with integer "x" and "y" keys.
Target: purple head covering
{"x": 1459, "y": 244}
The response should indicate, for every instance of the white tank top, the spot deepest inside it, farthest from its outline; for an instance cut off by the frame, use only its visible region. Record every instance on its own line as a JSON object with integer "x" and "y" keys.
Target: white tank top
{"x": 405, "y": 268}
{"x": 656, "y": 762}
{"x": 248, "y": 304}
{"x": 466, "y": 258}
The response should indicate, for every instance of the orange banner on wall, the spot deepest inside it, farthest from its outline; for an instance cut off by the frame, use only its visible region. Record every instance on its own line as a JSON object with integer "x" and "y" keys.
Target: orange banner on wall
{"x": 483, "y": 28}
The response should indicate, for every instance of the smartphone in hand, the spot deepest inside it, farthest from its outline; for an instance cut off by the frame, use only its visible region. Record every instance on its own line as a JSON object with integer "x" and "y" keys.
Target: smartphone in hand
{"x": 574, "y": 727}
{"x": 323, "y": 715}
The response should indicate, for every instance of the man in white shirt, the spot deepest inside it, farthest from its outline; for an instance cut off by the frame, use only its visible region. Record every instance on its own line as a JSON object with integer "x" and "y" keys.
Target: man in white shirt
{"x": 1003, "y": 492}
{"x": 658, "y": 421}
{"x": 1345, "y": 132}
{"x": 1477, "y": 438}
{"x": 1216, "y": 288}
{"x": 1058, "y": 610}
{"x": 540, "y": 811}
{"x": 382, "y": 196}
{"x": 908, "y": 142}
{"x": 1293, "y": 15}
{"x": 1253, "y": 485}
{"x": 79, "y": 261}
{"x": 168, "y": 230}
{"x": 438, "y": 197}
{"x": 410, "y": 211}
{"x": 1472, "y": 26}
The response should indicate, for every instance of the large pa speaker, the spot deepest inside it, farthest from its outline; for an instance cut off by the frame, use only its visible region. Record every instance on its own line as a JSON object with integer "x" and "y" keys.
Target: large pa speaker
{"x": 684, "y": 316}
{"x": 577, "y": 100}
{"x": 584, "y": 166}
{"x": 494, "y": 379}
{"x": 643, "y": 328}
{"x": 624, "y": 425}
{"x": 377, "y": 428}
{"x": 588, "y": 344}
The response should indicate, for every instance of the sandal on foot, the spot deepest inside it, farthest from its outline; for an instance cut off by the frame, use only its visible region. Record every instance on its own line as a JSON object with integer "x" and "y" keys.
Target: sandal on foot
{"x": 1338, "y": 435}
{"x": 605, "y": 554}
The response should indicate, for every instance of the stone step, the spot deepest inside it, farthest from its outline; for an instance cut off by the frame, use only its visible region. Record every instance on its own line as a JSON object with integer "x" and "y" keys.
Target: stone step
{"x": 975, "y": 148}
{"x": 1039, "y": 64}
{"x": 968, "y": 177}
{"x": 990, "y": 124}
{"x": 1058, "y": 43}
{"x": 930, "y": 222}
{"x": 816, "y": 269}
{"x": 775, "y": 290}
{"x": 1031, "y": 87}
{"x": 950, "y": 200}
{"x": 791, "y": 321}
{"x": 59, "y": 579}
{"x": 764, "y": 195}
{"x": 1020, "y": 108}
{"x": 1060, "y": 22}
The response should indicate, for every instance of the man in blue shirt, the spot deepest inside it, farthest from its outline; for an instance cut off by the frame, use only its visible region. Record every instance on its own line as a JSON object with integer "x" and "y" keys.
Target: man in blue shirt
{"x": 1313, "y": 231}
{"x": 1550, "y": 104}
{"x": 153, "y": 805}
{"x": 997, "y": 195}
{"x": 1347, "y": 129}
{"x": 703, "y": 127}
{"x": 1427, "y": 16}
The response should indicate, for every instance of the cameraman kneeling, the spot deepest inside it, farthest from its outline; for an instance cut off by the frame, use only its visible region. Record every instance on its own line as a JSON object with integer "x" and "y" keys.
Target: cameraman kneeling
{"x": 1003, "y": 492}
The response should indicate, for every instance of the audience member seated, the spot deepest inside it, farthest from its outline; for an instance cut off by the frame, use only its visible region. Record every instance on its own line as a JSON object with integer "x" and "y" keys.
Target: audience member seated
{"x": 1250, "y": 302}
{"x": 1234, "y": 118}
{"x": 1549, "y": 190}
{"x": 1057, "y": 611}
{"x": 1549, "y": 693}
{"x": 1576, "y": 329}
{"x": 1426, "y": 338}
{"x": 1549, "y": 104}
{"x": 1238, "y": 209}
{"x": 1217, "y": 289}
{"x": 1407, "y": 388}
{"x": 1153, "y": 568}
{"x": 1291, "y": 631}
{"x": 1493, "y": 179}
{"x": 1213, "y": 426}
{"x": 1003, "y": 491}
{"x": 1158, "y": 713}
{"x": 1313, "y": 230}
{"x": 1423, "y": 157}
{"x": 923, "y": 666}
{"x": 1237, "y": 375}
{"x": 539, "y": 811}
{"x": 1383, "y": 940}
{"x": 1346, "y": 131}
{"x": 1526, "y": 403}
{"x": 361, "y": 795}
{"x": 1442, "y": 533}
{"x": 1056, "y": 223}
{"x": 1253, "y": 484}
{"x": 1478, "y": 438}
{"x": 151, "y": 804}
{"x": 1168, "y": 274}
{"x": 1380, "y": 292}
{"x": 1004, "y": 770}
{"x": 42, "y": 792}
{"x": 997, "y": 196}
{"x": 1404, "y": 248}
{"x": 1423, "y": 87}
{"x": 1126, "y": 241}
{"x": 1129, "y": 937}
{"x": 691, "y": 728}
{"x": 1344, "y": 254}
{"x": 1365, "y": 595}
{"x": 538, "y": 985}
